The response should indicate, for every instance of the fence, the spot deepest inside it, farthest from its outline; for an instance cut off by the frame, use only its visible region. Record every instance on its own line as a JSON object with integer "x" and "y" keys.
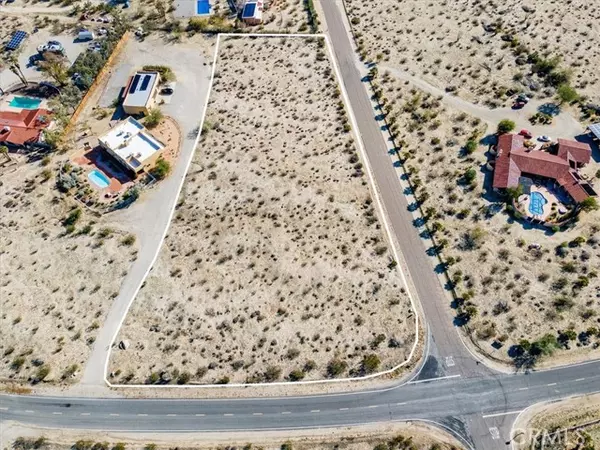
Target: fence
{"x": 97, "y": 81}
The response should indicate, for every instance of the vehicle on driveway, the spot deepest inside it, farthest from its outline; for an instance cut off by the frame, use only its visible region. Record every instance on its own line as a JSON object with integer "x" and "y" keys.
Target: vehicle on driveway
{"x": 168, "y": 89}
{"x": 544, "y": 138}
{"x": 51, "y": 46}
{"x": 526, "y": 133}
{"x": 523, "y": 98}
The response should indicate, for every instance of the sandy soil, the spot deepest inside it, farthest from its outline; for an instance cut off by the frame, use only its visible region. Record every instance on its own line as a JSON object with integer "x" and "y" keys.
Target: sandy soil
{"x": 447, "y": 44}
{"x": 56, "y": 287}
{"x": 568, "y": 414}
{"x": 421, "y": 436}
{"x": 275, "y": 260}
{"x": 519, "y": 292}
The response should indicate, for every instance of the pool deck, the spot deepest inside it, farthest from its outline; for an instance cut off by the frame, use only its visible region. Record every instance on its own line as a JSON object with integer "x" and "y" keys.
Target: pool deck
{"x": 95, "y": 159}
{"x": 548, "y": 194}
{"x": 6, "y": 99}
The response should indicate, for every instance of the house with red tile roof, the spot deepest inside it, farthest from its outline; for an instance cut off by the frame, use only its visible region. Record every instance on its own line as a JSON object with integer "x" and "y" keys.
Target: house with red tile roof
{"x": 514, "y": 160}
{"x": 23, "y": 128}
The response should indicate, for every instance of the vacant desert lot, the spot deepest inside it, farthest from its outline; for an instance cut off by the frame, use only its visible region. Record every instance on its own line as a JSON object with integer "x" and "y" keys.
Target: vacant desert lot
{"x": 473, "y": 46}
{"x": 582, "y": 413}
{"x": 276, "y": 265}
{"x": 519, "y": 292}
{"x": 56, "y": 286}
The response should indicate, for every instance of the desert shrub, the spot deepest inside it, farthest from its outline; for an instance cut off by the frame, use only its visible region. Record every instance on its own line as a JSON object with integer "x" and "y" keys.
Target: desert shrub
{"x": 72, "y": 218}
{"x": 370, "y": 363}
{"x": 272, "y": 373}
{"x": 336, "y": 367}
{"x": 470, "y": 146}
{"x": 22, "y": 443}
{"x": 128, "y": 240}
{"x": 161, "y": 169}
{"x": 82, "y": 444}
{"x": 166, "y": 73}
{"x": 296, "y": 375}
{"x": 153, "y": 118}
{"x": 505, "y": 126}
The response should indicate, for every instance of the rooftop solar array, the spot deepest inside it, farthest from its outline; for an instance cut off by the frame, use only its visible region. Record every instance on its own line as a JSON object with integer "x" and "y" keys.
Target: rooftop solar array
{"x": 16, "y": 39}
{"x": 595, "y": 128}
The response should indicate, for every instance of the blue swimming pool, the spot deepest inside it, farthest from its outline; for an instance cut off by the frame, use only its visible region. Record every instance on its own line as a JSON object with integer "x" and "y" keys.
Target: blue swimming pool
{"x": 536, "y": 203}
{"x": 25, "y": 102}
{"x": 202, "y": 7}
{"x": 99, "y": 179}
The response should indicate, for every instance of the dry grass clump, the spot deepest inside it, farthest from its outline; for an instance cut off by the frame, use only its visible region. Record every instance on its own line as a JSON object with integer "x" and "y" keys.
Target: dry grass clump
{"x": 60, "y": 271}
{"x": 519, "y": 291}
{"x": 479, "y": 48}
{"x": 275, "y": 266}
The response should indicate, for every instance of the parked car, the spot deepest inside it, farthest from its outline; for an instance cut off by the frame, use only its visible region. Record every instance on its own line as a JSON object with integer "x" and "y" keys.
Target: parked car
{"x": 168, "y": 89}
{"x": 544, "y": 138}
{"x": 51, "y": 46}
{"x": 518, "y": 105}
{"x": 526, "y": 133}
{"x": 522, "y": 98}
{"x": 85, "y": 35}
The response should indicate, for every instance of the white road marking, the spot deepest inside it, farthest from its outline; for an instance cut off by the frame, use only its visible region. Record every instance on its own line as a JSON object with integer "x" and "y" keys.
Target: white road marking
{"x": 343, "y": 409}
{"x": 84, "y": 414}
{"x": 257, "y": 414}
{"x": 495, "y": 433}
{"x": 29, "y": 411}
{"x": 372, "y": 406}
{"x": 523, "y": 389}
{"x": 142, "y": 415}
{"x": 400, "y": 404}
{"x": 228, "y": 415}
{"x": 171, "y": 415}
{"x": 434, "y": 379}
{"x": 199, "y": 415}
{"x": 57, "y": 413}
{"x": 315, "y": 410}
{"x": 551, "y": 384}
{"x": 449, "y": 361}
{"x": 4, "y": 408}
{"x": 286, "y": 412}
{"x": 580, "y": 379}
{"x": 500, "y": 414}
{"x": 113, "y": 414}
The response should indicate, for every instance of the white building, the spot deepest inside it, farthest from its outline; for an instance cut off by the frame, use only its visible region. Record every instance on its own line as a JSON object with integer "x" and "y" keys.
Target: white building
{"x": 252, "y": 12}
{"x": 140, "y": 92}
{"x": 131, "y": 145}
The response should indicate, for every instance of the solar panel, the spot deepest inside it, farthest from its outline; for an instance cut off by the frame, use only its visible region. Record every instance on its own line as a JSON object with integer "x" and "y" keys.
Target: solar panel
{"x": 145, "y": 82}
{"x": 134, "y": 84}
{"x": 16, "y": 39}
{"x": 249, "y": 9}
{"x": 595, "y": 128}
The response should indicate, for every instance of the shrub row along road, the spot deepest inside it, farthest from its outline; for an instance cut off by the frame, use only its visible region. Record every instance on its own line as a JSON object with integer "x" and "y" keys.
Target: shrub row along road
{"x": 452, "y": 389}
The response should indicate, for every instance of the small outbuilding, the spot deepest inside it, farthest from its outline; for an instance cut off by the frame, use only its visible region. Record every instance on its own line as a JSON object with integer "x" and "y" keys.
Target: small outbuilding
{"x": 140, "y": 92}
{"x": 252, "y": 12}
{"x": 595, "y": 130}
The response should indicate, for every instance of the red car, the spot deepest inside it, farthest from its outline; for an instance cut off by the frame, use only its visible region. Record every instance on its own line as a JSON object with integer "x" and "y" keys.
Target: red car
{"x": 526, "y": 133}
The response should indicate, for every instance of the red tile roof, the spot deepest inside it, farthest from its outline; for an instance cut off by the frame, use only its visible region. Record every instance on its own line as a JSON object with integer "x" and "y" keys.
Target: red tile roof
{"x": 579, "y": 152}
{"x": 24, "y": 127}
{"x": 513, "y": 159}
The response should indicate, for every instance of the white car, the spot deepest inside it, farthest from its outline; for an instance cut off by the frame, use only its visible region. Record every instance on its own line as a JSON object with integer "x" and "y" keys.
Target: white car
{"x": 544, "y": 138}
{"x": 51, "y": 46}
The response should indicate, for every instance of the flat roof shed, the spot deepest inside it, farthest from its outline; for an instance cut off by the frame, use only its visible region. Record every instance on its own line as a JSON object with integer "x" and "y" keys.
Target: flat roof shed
{"x": 595, "y": 129}
{"x": 140, "y": 90}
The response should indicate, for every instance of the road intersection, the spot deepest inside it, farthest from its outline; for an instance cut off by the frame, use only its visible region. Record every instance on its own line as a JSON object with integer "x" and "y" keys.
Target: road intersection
{"x": 452, "y": 389}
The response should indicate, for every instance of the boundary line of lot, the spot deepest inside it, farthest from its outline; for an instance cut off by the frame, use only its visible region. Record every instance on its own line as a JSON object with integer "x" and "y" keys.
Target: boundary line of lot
{"x": 374, "y": 192}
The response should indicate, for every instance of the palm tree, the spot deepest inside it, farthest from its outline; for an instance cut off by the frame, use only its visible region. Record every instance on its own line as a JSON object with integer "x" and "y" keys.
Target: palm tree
{"x": 15, "y": 67}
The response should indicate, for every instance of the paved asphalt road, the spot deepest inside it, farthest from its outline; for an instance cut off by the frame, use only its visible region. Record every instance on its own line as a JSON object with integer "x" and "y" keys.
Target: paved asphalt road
{"x": 453, "y": 402}
{"x": 470, "y": 400}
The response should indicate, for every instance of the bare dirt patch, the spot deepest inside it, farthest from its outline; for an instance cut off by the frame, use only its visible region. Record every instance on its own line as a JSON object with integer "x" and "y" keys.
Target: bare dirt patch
{"x": 579, "y": 416}
{"x": 57, "y": 282}
{"x": 480, "y": 48}
{"x": 276, "y": 265}
{"x": 401, "y": 436}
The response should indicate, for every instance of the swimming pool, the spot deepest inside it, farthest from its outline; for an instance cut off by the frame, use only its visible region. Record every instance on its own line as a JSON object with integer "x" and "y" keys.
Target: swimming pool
{"x": 536, "y": 203}
{"x": 25, "y": 102}
{"x": 99, "y": 179}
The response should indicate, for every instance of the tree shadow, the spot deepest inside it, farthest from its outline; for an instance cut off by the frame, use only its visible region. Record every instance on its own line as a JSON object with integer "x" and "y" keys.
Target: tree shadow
{"x": 587, "y": 138}
{"x": 552, "y": 109}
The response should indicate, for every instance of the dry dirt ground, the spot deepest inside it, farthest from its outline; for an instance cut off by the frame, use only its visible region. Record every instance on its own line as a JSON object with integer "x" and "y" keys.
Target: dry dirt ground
{"x": 447, "y": 44}
{"x": 520, "y": 292}
{"x": 401, "y": 436}
{"x": 564, "y": 415}
{"x": 56, "y": 286}
{"x": 276, "y": 265}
